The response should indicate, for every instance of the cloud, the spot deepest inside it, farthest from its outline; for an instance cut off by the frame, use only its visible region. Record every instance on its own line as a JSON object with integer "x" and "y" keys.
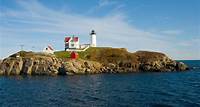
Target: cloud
{"x": 104, "y": 4}
{"x": 172, "y": 32}
{"x": 36, "y": 25}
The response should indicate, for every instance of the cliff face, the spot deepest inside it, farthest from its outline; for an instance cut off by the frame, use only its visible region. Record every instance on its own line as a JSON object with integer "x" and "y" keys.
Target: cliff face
{"x": 154, "y": 61}
{"x": 29, "y": 64}
{"x": 101, "y": 61}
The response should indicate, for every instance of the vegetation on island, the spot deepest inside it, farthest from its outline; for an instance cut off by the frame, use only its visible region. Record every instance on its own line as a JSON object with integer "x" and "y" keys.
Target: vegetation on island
{"x": 93, "y": 60}
{"x": 113, "y": 55}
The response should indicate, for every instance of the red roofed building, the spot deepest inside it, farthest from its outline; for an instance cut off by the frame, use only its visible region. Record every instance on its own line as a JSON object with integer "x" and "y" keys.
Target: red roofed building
{"x": 74, "y": 55}
{"x": 71, "y": 43}
{"x": 48, "y": 50}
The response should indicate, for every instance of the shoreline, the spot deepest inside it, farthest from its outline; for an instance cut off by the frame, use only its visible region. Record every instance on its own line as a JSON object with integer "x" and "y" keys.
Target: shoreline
{"x": 93, "y": 61}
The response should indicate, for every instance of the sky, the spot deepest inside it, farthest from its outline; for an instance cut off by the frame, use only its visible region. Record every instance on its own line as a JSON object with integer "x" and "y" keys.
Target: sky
{"x": 168, "y": 26}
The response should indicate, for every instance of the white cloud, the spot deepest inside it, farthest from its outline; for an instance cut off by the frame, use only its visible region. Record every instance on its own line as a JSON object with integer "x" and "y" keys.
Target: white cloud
{"x": 103, "y": 4}
{"x": 172, "y": 32}
{"x": 37, "y": 25}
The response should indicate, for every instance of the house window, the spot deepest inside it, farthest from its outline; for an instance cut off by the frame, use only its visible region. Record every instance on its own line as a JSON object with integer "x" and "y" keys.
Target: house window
{"x": 72, "y": 45}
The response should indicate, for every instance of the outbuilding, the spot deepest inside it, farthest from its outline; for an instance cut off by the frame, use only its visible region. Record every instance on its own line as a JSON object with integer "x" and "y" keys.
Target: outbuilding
{"x": 74, "y": 55}
{"x": 48, "y": 50}
{"x": 71, "y": 43}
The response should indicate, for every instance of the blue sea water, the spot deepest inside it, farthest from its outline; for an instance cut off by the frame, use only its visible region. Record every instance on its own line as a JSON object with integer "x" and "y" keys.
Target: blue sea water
{"x": 175, "y": 89}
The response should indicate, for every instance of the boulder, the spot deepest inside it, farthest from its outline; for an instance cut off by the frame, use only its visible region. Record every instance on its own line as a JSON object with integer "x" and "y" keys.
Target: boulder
{"x": 181, "y": 66}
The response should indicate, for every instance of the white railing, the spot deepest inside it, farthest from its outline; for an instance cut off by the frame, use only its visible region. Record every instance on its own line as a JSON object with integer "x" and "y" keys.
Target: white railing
{"x": 79, "y": 50}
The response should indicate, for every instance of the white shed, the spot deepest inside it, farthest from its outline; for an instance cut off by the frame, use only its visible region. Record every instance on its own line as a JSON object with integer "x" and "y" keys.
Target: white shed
{"x": 48, "y": 50}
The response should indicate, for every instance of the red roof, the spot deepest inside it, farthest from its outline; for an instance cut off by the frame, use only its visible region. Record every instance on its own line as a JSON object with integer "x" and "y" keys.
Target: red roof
{"x": 67, "y": 39}
{"x": 75, "y": 39}
{"x": 74, "y": 55}
{"x": 50, "y": 47}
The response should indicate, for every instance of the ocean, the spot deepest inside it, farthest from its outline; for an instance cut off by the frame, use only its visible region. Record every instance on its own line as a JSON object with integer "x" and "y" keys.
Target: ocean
{"x": 170, "y": 89}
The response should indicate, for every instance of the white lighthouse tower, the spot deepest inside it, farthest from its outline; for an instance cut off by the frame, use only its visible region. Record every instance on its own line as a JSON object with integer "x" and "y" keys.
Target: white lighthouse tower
{"x": 93, "y": 39}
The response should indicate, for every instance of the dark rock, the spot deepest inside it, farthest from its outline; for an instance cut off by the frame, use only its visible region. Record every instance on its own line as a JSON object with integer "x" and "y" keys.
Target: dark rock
{"x": 181, "y": 66}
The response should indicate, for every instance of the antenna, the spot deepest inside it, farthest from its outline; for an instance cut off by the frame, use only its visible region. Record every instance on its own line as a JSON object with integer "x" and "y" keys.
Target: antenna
{"x": 33, "y": 48}
{"x": 21, "y": 47}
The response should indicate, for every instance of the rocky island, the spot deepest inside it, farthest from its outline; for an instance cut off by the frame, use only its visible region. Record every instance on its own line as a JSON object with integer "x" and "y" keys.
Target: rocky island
{"x": 92, "y": 61}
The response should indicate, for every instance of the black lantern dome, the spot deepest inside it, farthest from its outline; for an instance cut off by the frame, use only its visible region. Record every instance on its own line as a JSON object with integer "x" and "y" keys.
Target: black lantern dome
{"x": 92, "y": 33}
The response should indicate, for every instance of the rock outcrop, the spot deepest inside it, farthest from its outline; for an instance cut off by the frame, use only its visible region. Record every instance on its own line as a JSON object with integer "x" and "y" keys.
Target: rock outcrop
{"x": 154, "y": 61}
{"x": 81, "y": 67}
{"x": 29, "y": 63}
{"x": 36, "y": 64}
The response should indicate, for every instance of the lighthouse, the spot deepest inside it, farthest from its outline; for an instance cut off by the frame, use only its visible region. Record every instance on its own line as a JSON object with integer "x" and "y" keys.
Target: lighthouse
{"x": 93, "y": 39}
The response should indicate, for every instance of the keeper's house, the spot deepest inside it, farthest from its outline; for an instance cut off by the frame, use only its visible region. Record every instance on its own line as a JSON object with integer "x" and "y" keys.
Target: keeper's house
{"x": 72, "y": 43}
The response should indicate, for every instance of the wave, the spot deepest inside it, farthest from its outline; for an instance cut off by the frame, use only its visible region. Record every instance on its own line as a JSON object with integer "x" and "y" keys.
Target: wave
{"x": 194, "y": 68}
{"x": 197, "y": 67}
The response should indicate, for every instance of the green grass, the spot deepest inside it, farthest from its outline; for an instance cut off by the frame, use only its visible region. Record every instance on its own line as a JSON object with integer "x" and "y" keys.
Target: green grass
{"x": 62, "y": 54}
{"x": 89, "y": 53}
{"x": 30, "y": 54}
{"x": 82, "y": 55}
{"x": 101, "y": 54}
{"x": 104, "y": 55}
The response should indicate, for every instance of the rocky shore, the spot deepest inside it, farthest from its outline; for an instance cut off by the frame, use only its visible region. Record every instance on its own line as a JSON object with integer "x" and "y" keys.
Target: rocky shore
{"x": 30, "y": 63}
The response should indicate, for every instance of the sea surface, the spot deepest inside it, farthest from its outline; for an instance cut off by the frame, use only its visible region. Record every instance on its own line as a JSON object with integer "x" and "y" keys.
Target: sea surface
{"x": 175, "y": 89}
